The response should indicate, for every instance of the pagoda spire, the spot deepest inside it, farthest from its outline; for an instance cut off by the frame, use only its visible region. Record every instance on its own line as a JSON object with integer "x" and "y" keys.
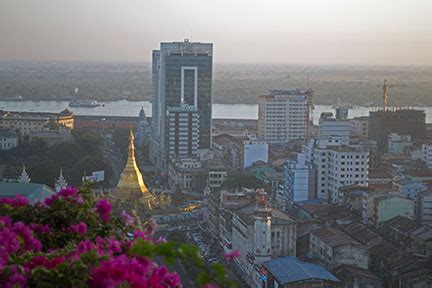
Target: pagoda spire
{"x": 131, "y": 179}
{"x": 60, "y": 182}
{"x": 24, "y": 177}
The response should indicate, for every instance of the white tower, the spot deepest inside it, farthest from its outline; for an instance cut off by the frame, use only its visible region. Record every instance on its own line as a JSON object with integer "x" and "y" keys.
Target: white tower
{"x": 24, "y": 177}
{"x": 262, "y": 239}
{"x": 60, "y": 182}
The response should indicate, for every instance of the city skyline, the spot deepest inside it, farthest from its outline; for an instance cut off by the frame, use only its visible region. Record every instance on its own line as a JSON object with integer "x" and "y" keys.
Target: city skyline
{"x": 323, "y": 32}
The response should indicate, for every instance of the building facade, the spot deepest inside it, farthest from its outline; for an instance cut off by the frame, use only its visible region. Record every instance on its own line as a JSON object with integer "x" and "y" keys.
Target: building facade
{"x": 183, "y": 131}
{"x": 182, "y": 73}
{"x": 8, "y": 139}
{"x": 285, "y": 115}
{"x": 27, "y": 122}
{"x": 299, "y": 180}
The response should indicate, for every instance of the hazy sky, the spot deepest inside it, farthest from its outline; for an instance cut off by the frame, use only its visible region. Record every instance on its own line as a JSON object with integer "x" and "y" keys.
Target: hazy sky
{"x": 384, "y": 32}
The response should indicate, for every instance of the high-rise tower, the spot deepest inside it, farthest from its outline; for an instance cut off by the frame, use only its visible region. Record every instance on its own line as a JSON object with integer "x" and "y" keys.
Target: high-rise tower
{"x": 182, "y": 74}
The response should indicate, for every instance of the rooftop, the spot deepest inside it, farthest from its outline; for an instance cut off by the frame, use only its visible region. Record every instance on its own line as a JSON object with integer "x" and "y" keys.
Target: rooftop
{"x": 333, "y": 237}
{"x": 401, "y": 223}
{"x": 33, "y": 191}
{"x": 289, "y": 270}
{"x": 423, "y": 233}
{"x": 344, "y": 272}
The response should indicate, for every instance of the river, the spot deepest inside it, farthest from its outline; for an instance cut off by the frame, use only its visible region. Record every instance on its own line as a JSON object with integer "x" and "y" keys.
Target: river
{"x": 131, "y": 108}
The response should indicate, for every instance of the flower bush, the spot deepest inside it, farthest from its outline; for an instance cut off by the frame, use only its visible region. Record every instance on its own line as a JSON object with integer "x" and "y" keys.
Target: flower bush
{"x": 74, "y": 240}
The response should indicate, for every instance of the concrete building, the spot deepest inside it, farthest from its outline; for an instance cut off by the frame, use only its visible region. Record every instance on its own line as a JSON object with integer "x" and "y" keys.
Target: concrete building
{"x": 390, "y": 206}
{"x": 333, "y": 248}
{"x": 338, "y": 166}
{"x": 8, "y": 139}
{"x": 187, "y": 174}
{"x": 254, "y": 151}
{"x": 299, "y": 180}
{"x": 402, "y": 121}
{"x": 425, "y": 207}
{"x": 354, "y": 277}
{"x": 260, "y": 234}
{"x": 52, "y": 136}
{"x": 333, "y": 127}
{"x": 359, "y": 127}
{"x": 397, "y": 143}
{"x": 427, "y": 155}
{"x": 285, "y": 115}
{"x": 291, "y": 272}
{"x": 27, "y": 122}
{"x": 183, "y": 131}
{"x": 217, "y": 173}
{"x": 182, "y": 73}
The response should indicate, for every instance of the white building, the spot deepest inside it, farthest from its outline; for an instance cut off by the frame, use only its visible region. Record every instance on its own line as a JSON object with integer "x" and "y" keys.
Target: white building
{"x": 183, "y": 131}
{"x": 427, "y": 155}
{"x": 254, "y": 151}
{"x": 298, "y": 180}
{"x": 260, "y": 233}
{"x": 337, "y": 165}
{"x": 285, "y": 115}
{"x": 397, "y": 143}
{"x": 8, "y": 139}
{"x": 330, "y": 126}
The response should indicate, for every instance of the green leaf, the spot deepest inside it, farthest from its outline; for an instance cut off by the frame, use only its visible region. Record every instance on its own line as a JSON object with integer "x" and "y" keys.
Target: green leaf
{"x": 203, "y": 278}
{"x": 142, "y": 248}
{"x": 219, "y": 270}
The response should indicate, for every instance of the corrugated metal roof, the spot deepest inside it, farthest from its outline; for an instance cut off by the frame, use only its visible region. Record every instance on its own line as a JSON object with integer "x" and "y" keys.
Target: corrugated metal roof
{"x": 290, "y": 269}
{"x": 33, "y": 191}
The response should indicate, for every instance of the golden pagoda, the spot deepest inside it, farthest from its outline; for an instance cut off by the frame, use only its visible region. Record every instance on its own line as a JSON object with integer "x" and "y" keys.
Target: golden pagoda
{"x": 131, "y": 191}
{"x": 131, "y": 179}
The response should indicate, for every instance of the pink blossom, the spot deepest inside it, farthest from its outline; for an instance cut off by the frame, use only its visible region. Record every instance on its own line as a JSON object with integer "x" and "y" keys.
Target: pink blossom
{"x": 80, "y": 228}
{"x": 16, "y": 201}
{"x": 38, "y": 228}
{"x": 232, "y": 255}
{"x": 127, "y": 219}
{"x": 103, "y": 208}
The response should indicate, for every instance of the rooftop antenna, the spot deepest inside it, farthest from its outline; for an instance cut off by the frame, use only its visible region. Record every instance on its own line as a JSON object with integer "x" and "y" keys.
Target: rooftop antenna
{"x": 307, "y": 81}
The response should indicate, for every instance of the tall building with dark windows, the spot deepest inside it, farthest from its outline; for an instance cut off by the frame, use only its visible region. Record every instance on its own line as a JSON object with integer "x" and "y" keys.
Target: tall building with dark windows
{"x": 182, "y": 74}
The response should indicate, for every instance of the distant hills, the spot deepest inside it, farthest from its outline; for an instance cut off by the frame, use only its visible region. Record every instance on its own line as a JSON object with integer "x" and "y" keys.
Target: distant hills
{"x": 348, "y": 85}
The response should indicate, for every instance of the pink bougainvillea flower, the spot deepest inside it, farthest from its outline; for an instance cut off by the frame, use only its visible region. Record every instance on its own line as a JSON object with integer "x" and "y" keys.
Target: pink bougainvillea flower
{"x": 232, "y": 255}
{"x": 127, "y": 219}
{"x": 80, "y": 228}
{"x": 104, "y": 208}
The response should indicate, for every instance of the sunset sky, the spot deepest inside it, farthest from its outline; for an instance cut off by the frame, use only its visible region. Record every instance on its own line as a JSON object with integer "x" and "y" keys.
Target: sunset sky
{"x": 364, "y": 32}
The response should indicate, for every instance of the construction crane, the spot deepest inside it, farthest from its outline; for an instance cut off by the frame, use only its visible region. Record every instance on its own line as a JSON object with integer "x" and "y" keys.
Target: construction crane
{"x": 386, "y": 89}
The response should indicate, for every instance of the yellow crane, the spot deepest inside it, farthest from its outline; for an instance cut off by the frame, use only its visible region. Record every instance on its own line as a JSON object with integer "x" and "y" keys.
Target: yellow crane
{"x": 386, "y": 89}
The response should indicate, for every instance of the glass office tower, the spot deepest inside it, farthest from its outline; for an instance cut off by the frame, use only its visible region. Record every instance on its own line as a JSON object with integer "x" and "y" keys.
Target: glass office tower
{"x": 182, "y": 74}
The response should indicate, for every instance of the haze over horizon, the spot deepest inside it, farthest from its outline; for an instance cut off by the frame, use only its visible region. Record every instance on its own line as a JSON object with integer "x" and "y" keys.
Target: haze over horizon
{"x": 310, "y": 32}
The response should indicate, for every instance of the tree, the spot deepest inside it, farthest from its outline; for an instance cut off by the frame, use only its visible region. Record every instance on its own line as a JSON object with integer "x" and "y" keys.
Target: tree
{"x": 238, "y": 180}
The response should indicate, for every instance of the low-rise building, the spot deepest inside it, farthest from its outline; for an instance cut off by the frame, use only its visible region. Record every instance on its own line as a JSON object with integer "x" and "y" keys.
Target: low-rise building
{"x": 187, "y": 174}
{"x": 54, "y": 136}
{"x": 333, "y": 248}
{"x": 32, "y": 191}
{"x": 291, "y": 272}
{"x": 397, "y": 143}
{"x": 390, "y": 206}
{"x": 254, "y": 150}
{"x": 425, "y": 207}
{"x": 354, "y": 277}
{"x": 8, "y": 139}
{"x": 26, "y": 122}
